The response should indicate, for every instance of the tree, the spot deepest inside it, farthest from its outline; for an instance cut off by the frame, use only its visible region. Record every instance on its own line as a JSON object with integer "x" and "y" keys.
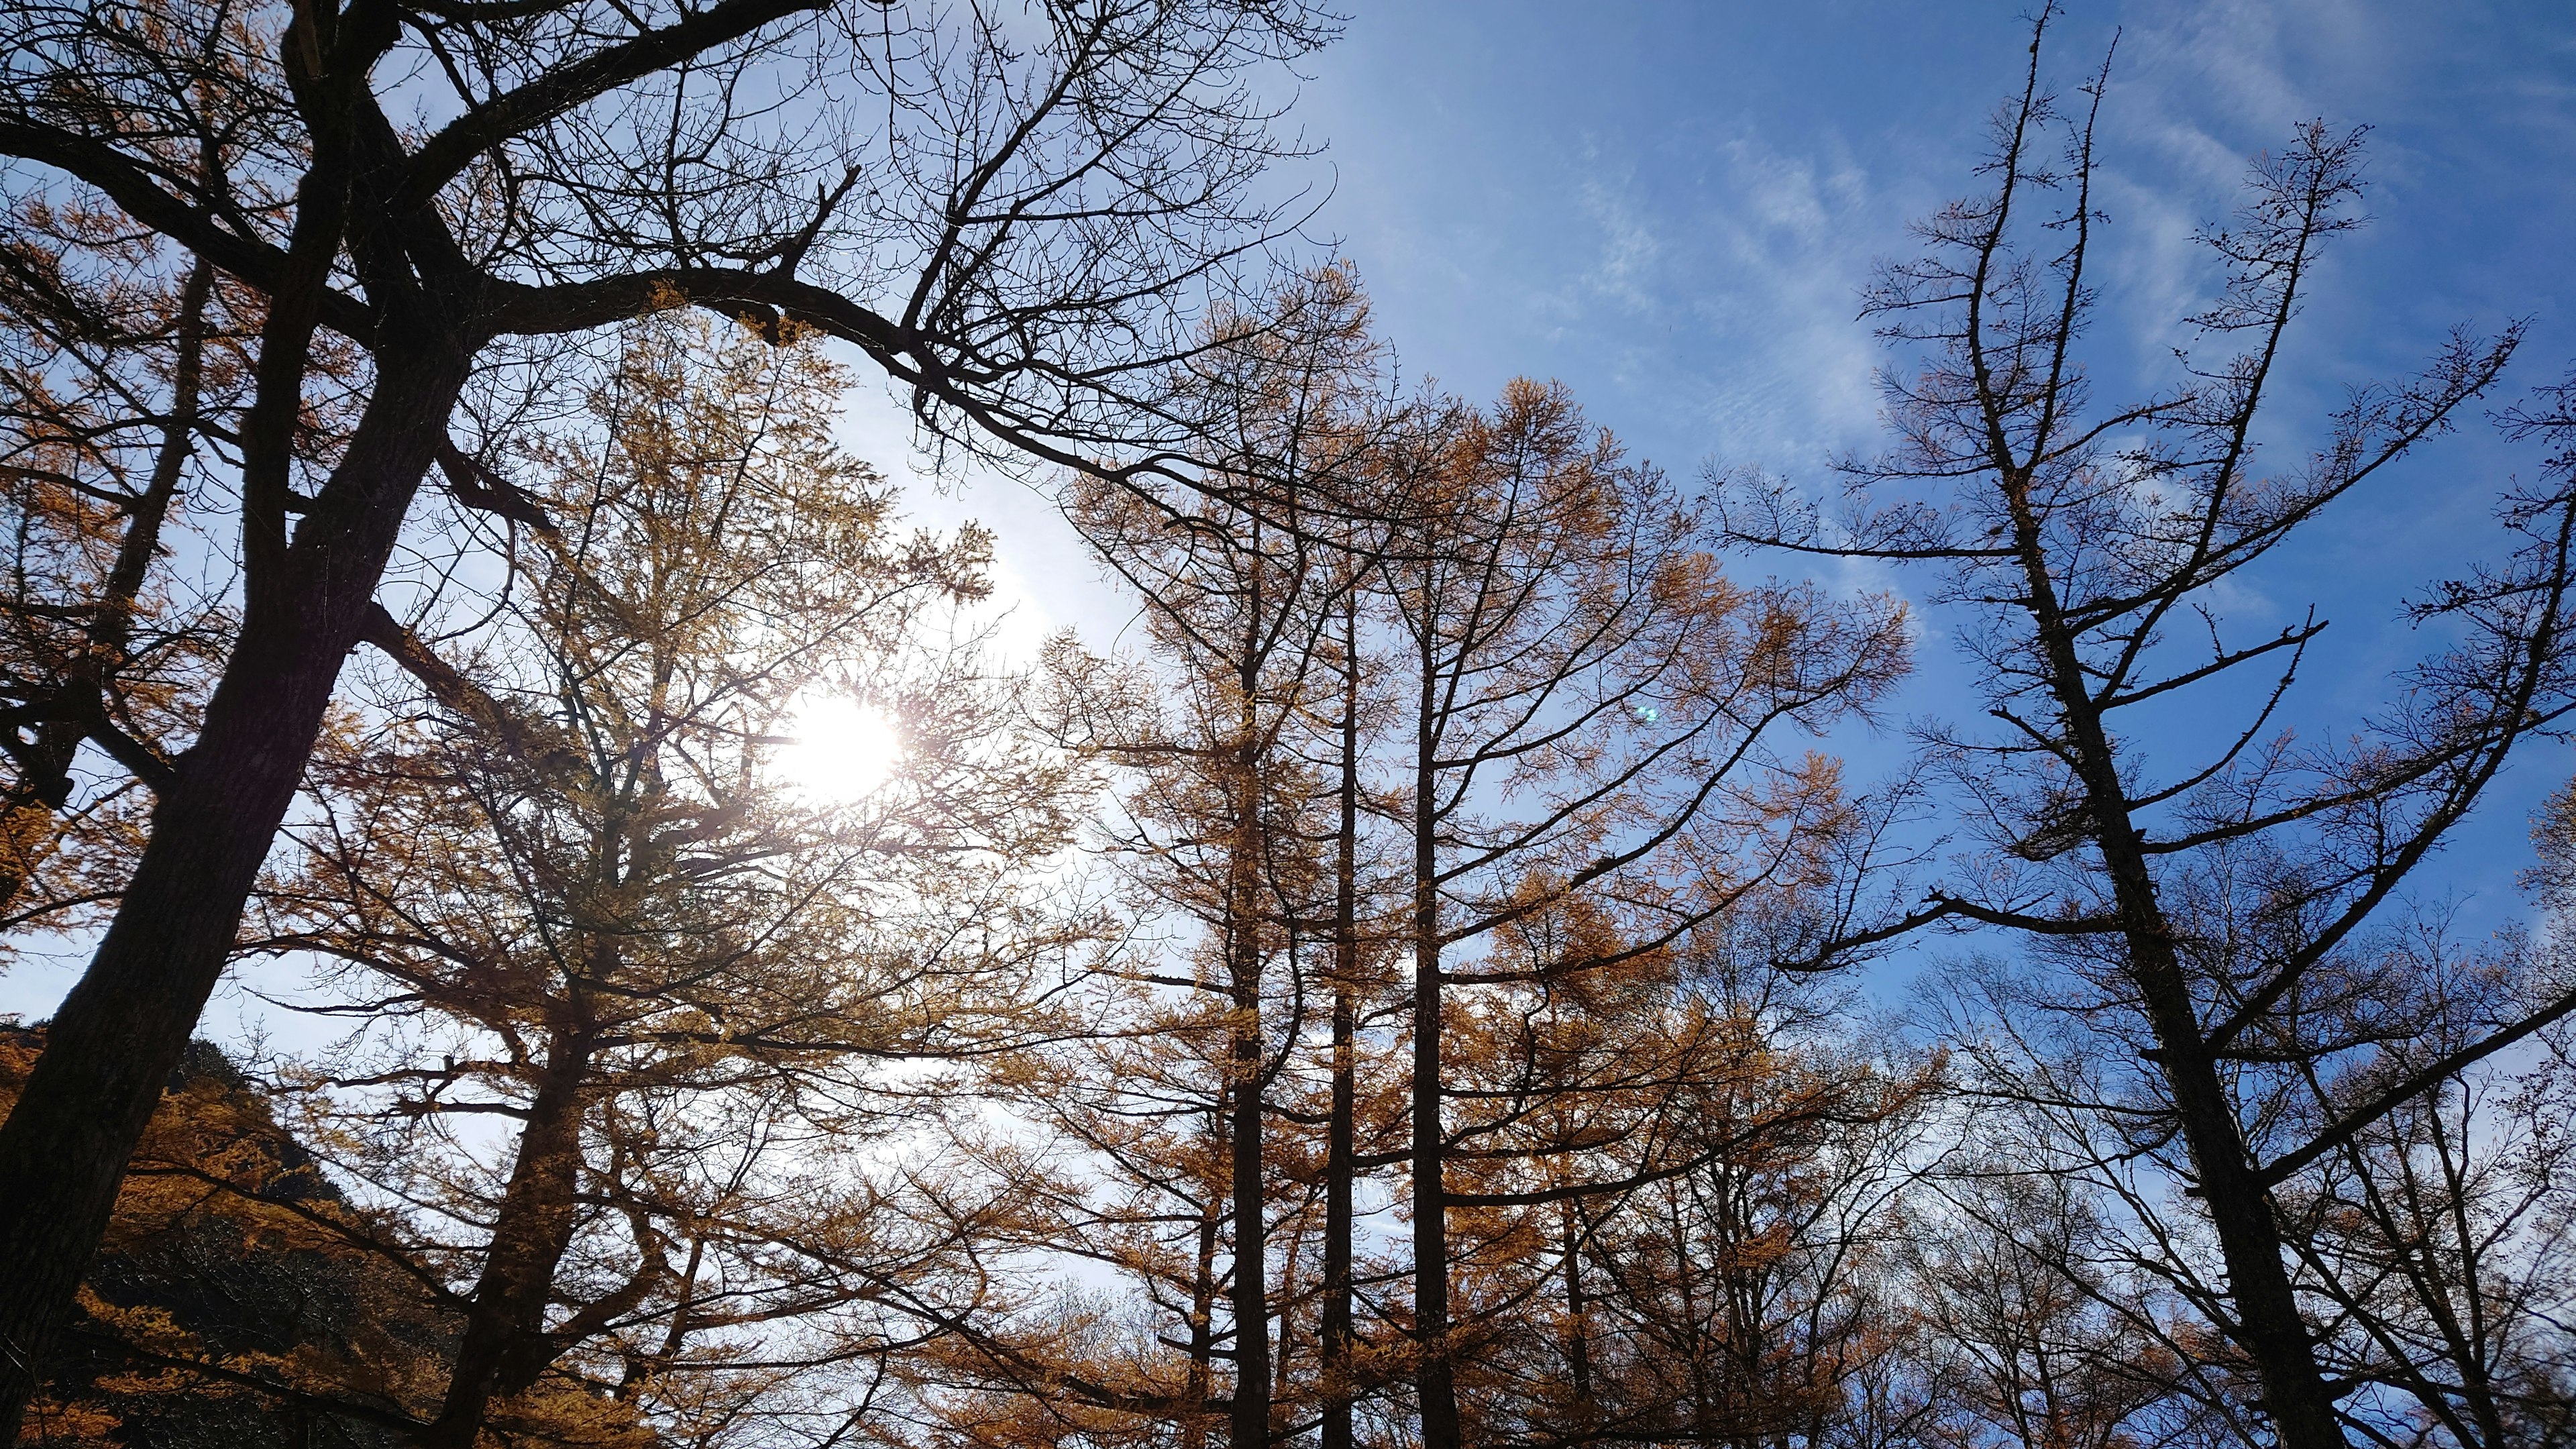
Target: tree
{"x": 1214, "y": 830}
{"x": 1344, "y": 728}
{"x": 1121, "y": 1150}
{"x": 1691, "y": 1185}
{"x": 1238, "y": 590}
{"x": 2439, "y": 1236}
{"x": 1009, "y": 233}
{"x": 1587, "y": 712}
{"x": 110, "y": 383}
{"x": 2085, "y": 544}
{"x": 561, "y": 885}
{"x": 1572, "y": 659}
{"x": 2040, "y": 1331}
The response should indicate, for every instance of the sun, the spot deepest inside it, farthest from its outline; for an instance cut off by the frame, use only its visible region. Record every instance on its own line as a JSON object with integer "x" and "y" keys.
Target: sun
{"x": 840, "y": 750}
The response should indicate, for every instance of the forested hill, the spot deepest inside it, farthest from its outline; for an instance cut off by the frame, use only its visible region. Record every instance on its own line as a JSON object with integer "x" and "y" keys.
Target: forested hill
{"x": 227, "y": 1266}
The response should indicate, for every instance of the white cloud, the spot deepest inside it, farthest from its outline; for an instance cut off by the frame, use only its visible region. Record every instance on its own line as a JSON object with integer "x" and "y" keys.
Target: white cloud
{"x": 1724, "y": 295}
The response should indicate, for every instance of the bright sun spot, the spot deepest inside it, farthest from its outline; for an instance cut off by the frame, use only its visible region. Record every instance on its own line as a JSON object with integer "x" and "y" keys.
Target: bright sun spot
{"x": 842, "y": 750}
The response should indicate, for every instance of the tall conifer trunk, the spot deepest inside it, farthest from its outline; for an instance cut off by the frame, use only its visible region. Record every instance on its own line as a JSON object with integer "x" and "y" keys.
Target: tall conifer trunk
{"x": 2268, "y": 1322}
{"x": 1578, "y": 1336}
{"x": 535, "y": 1226}
{"x": 1341, "y": 1149}
{"x": 1433, "y": 1380}
{"x": 1203, "y": 1316}
{"x": 1244, "y": 870}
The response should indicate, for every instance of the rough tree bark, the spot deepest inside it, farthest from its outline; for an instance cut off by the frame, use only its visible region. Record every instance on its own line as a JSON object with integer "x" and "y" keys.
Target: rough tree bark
{"x": 1434, "y": 1381}
{"x": 1245, "y": 875}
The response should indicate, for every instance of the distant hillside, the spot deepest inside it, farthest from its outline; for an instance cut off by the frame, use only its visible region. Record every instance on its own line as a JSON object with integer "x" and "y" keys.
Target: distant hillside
{"x": 228, "y": 1307}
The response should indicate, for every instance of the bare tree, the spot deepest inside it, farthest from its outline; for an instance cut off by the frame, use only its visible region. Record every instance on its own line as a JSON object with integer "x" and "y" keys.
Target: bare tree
{"x": 2085, "y": 545}
{"x": 2039, "y": 1332}
{"x": 2440, "y": 1237}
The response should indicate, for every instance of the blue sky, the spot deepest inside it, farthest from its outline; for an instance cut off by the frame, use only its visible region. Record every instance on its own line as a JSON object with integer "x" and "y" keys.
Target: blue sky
{"x": 1669, "y": 206}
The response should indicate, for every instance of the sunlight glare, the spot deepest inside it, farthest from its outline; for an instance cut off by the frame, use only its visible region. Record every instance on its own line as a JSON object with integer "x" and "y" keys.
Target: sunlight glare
{"x": 842, "y": 750}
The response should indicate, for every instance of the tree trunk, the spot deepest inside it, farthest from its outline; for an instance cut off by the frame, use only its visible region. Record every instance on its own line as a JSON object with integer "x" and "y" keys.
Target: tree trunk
{"x": 1244, "y": 874}
{"x": 1433, "y": 1379}
{"x": 2268, "y": 1325}
{"x": 1578, "y": 1337}
{"x": 1703, "y": 1427}
{"x": 119, "y": 1034}
{"x": 1202, "y": 1324}
{"x": 503, "y": 1349}
{"x": 1251, "y": 1286}
{"x": 1341, "y": 1148}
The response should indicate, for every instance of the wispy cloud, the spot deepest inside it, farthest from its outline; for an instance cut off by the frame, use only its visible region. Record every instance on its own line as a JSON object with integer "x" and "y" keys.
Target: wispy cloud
{"x": 1720, "y": 287}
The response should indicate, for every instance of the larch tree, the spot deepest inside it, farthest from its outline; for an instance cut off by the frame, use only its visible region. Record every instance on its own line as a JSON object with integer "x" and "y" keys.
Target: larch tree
{"x": 1359, "y": 1098}
{"x": 2215, "y": 914}
{"x": 1237, "y": 590}
{"x": 1010, "y": 210}
{"x": 560, "y": 875}
{"x": 2038, "y": 1327}
{"x": 1684, "y": 1185}
{"x": 1587, "y": 706}
{"x": 2439, "y": 1235}
{"x": 113, "y": 381}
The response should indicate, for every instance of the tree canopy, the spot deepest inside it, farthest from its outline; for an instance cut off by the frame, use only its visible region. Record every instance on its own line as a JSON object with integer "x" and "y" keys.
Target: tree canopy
{"x": 1436, "y": 977}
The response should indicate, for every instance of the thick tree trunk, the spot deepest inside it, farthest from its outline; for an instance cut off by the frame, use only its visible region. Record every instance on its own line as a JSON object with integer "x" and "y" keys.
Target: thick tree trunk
{"x": 1703, "y": 1427}
{"x": 2268, "y": 1324}
{"x": 119, "y": 1034}
{"x": 503, "y": 1349}
{"x": 1250, "y": 1296}
{"x": 1245, "y": 871}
